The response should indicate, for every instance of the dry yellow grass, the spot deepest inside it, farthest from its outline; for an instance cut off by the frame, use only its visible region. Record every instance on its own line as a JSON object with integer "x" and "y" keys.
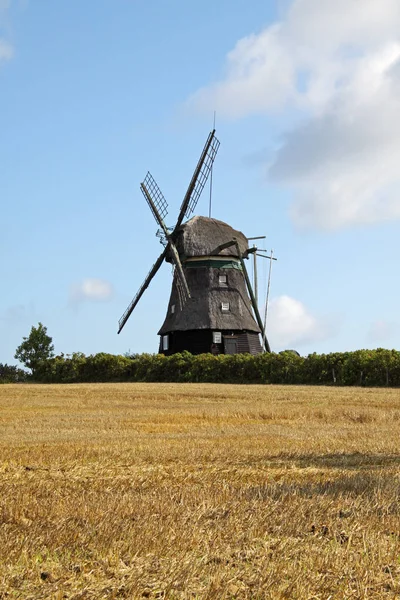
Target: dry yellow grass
{"x": 199, "y": 491}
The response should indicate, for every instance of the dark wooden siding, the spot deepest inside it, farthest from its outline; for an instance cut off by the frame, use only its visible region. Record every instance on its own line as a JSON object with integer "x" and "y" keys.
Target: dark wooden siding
{"x": 199, "y": 341}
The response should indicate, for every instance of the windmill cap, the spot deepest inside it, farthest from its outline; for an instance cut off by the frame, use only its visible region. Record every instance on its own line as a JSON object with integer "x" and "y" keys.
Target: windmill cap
{"x": 200, "y": 236}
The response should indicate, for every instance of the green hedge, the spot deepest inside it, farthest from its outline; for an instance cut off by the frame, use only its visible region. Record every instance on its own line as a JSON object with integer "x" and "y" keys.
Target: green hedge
{"x": 12, "y": 374}
{"x": 364, "y": 367}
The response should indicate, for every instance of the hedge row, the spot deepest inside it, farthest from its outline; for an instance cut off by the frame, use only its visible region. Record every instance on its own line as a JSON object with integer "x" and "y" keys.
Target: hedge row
{"x": 364, "y": 367}
{"x": 12, "y": 374}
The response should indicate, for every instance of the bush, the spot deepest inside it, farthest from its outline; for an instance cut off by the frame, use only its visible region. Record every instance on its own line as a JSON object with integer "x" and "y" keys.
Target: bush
{"x": 364, "y": 367}
{"x": 12, "y": 374}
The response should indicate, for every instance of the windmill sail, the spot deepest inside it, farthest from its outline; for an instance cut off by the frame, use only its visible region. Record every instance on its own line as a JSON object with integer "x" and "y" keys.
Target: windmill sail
{"x": 151, "y": 190}
{"x": 141, "y": 291}
{"x": 199, "y": 177}
{"x": 156, "y": 204}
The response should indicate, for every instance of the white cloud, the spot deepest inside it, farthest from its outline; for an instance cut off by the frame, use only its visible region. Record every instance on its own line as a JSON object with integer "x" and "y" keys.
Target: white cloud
{"x": 253, "y": 65}
{"x": 381, "y": 331}
{"x": 336, "y": 67}
{"x": 91, "y": 290}
{"x": 291, "y": 324}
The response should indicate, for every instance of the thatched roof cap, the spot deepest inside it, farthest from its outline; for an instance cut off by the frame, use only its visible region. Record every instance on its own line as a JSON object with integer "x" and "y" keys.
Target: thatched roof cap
{"x": 201, "y": 235}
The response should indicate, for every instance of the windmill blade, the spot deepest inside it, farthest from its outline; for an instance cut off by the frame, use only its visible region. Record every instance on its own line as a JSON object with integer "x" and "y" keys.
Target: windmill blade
{"x": 199, "y": 177}
{"x": 154, "y": 198}
{"x": 170, "y": 246}
{"x": 180, "y": 285}
{"x": 156, "y": 206}
{"x": 141, "y": 291}
{"x": 184, "y": 288}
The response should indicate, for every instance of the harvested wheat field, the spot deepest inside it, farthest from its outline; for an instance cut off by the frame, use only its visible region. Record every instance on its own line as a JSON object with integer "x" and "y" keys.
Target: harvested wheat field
{"x": 199, "y": 491}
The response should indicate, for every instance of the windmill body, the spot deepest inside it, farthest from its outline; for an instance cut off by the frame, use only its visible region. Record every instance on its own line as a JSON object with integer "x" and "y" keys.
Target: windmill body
{"x": 218, "y": 317}
{"x": 212, "y": 307}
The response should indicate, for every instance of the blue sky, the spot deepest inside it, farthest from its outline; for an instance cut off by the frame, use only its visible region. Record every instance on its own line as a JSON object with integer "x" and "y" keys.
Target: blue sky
{"x": 94, "y": 94}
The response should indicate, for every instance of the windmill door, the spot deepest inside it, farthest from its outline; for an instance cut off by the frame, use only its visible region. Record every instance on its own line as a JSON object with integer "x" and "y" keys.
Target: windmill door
{"x": 230, "y": 345}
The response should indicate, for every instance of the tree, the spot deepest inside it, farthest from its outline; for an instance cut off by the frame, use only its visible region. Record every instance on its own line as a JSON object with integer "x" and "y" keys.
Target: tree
{"x": 36, "y": 348}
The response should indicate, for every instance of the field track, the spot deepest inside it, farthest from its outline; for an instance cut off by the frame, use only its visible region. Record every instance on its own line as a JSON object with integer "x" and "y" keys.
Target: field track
{"x": 199, "y": 491}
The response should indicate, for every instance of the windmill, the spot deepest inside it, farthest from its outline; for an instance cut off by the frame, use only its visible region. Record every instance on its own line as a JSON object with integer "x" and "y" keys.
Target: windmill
{"x": 212, "y": 306}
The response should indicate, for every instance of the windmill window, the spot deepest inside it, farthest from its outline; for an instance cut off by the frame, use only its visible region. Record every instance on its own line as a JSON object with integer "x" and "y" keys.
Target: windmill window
{"x": 217, "y": 337}
{"x": 172, "y": 308}
{"x": 165, "y": 342}
{"x": 222, "y": 280}
{"x": 225, "y": 306}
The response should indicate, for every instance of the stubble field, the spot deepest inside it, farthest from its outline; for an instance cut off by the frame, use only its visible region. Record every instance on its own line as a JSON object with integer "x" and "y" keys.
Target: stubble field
{"x": 199, "y": 491}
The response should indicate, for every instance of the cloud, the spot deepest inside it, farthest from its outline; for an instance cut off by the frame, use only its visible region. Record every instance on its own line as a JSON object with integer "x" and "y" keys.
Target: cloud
{"x": 255, "y": 65}
{"x": 332, "y": 69}
{"x": 291, "y": 324}
{"x": 381, "y": 331}
{"x": 95, "y": 290}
